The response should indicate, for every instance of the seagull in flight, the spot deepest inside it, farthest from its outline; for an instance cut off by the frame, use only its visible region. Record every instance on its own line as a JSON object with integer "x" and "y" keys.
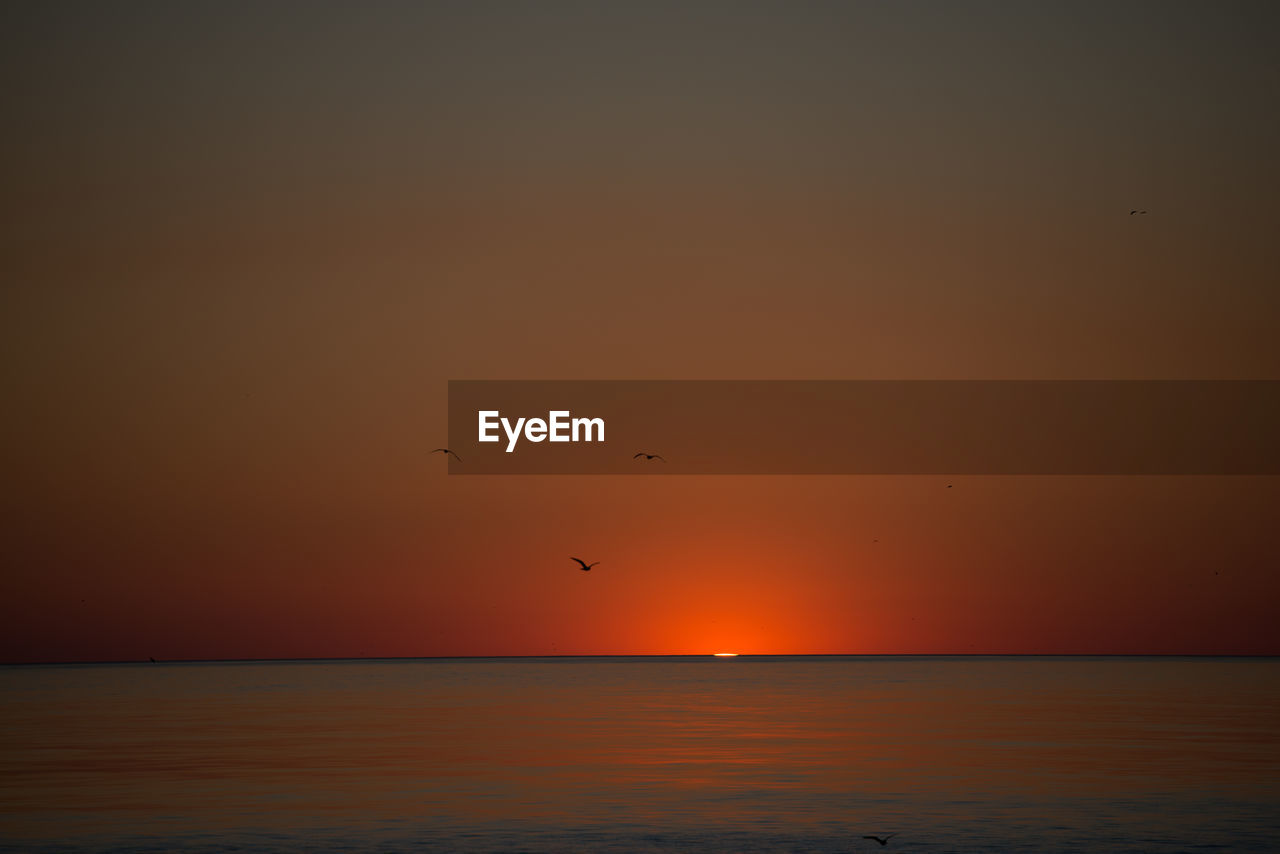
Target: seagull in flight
{"x": 649, "y": 456}
{"x": 1132, "y": 212}
{"x": 583, "y": 565}
{"x": 882, "y": 840}
{"x": 447, "y": 451}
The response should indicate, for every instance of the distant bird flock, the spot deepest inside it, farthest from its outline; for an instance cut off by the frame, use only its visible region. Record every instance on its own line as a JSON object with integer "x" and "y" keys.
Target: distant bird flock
{"x": 586, "y": 567}
{"x": 647, "y": 456}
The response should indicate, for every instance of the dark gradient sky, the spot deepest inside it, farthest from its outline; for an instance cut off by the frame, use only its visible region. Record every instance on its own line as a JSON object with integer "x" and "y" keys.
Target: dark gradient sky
{"x": 245, "y": 246}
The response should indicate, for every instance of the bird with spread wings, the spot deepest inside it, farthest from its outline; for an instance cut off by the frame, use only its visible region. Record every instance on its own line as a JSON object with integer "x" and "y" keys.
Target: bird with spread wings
{"x": 883, "y": 840}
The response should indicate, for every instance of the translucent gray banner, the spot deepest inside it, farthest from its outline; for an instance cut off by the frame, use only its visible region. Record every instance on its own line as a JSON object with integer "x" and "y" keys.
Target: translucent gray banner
{"x": 1082, "y": 427}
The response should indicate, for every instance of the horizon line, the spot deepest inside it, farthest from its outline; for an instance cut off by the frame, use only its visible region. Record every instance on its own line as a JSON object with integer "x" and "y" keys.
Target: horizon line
{"x": 321, "y": 659}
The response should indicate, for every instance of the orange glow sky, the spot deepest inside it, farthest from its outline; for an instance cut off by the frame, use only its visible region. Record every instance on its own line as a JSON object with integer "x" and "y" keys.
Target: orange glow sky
{"x": 246, "y": 248}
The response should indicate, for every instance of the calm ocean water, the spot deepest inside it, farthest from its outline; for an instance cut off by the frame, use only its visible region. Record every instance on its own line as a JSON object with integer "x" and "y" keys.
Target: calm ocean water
{"x": 644, "y": 754}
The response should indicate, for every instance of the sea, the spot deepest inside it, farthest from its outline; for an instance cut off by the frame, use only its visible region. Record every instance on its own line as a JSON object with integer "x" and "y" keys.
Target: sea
{"x": 644, "y": 754}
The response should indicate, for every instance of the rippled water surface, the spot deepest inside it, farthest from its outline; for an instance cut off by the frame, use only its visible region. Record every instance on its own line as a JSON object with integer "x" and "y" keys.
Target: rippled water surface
{"x": 644, "y": 754}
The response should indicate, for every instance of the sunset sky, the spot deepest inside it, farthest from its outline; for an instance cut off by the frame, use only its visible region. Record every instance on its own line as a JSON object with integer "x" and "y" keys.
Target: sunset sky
{"x": 246, "y": 246}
